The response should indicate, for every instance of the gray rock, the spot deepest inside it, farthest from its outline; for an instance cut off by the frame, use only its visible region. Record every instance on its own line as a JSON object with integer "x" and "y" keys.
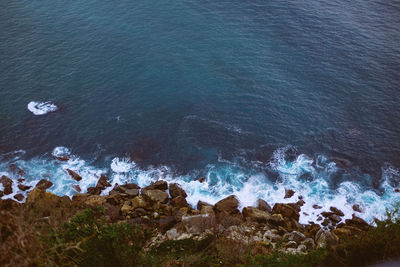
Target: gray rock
{"x": 198, "y": 223}
{"x": 155, "y": 195}
{"x": 295, "y": 236}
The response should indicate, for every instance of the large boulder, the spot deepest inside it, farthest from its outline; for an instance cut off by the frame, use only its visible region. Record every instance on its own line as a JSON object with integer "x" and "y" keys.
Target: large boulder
{"x": 95, "y": 201}
{"x": 337, "y": 211}
{"x": 179, "y": 202}
{"x": 229, "y": 205}
{"x": 295, "y": 236}
{"x": 263, "y": 205}
{"x": 24, "y": 187}
{"x": 103, "y": 183}
{"x": 139, "y": 202}
{"x": 325, "y": 239}
{"x": 200, "y": 204}
{"x": 165, "y": 223}
{"x": 74, "y": 175}
{"x": 176, "y": 191}
{"x": 7, "y": 184}
{"x": 44, "y": 184}
{"x": 159, "y": 185}
{"x": 255, "y": 214}
{"x": 358, "y": 223}
{"x": 286, "y": 210}
{"x": 155, "y": 195}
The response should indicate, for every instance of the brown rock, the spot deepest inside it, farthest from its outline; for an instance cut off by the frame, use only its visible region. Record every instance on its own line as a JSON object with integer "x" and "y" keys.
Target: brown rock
{"x": 202, "y": 179}
{"x": 130, "y": 186}
{"x": 159, "y": 185}
{"x": 155, "y": 195}
{"x": 263, "y": 205}
{"x": 289, "y": 193}
{"x": 44, "y": 184}
{"x": 256, "y": 214}
{"x": 166, "y": 223}
{"x": 357, "y": 222}
{"x": 335, "y": 218}
{"x": 139, "y": 202}
{"x": 229, "y": 205}
{"x": 7, "y": 184}
{"x": 200, "y": 204}
{"x": 16, "y": 170}
{"x": 207, "y": 210}
{"x": 74, "y": 175}
{"x": 324, "y": 239}
{"x": 1, "y": 194}
{"x": 94, "y": 190}
{"x": 317, "y": 207}
{"x": 77, "y": 188}
{"x": 325, "y": 222}
{"x": 357, "y": 208}
{"x": 103, "y": 182}
{"x": 276, "y": 220}
{"x": 24, "y": 187}
{"x": 286, "y": 210}
{"x": 337, "y": 211}
{"x": 132, "y": 192}
{"x": 95, "y": 201}
{"x": 179, "y": 202}
{"x": 198, "y": 223}
{"x": 19, "y": 197}
{"x": 295, "y": 236}
{"x": 326, "y": 213}
{"x": 176, "y": 191}
{"x": 111, "y": 211}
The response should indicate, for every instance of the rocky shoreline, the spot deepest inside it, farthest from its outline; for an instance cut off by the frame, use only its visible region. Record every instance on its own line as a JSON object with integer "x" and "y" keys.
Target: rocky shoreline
{"x": 162, "y": 209}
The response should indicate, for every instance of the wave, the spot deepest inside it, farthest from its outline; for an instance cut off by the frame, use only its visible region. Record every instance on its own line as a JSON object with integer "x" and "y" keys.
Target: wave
{"x": 41, "y": 108}
{"x": 309, "y": 177}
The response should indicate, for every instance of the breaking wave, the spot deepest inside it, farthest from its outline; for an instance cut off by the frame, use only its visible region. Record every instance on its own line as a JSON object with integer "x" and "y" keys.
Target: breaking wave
{"x": 41, "y": 108}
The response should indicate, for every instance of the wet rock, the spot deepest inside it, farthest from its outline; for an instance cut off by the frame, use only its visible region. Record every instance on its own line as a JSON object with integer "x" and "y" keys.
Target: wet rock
{"x": 326, "y": 213}
{"x": 74, "y": 175}
{"x": 166, "y": 223}
{"x": 130, "y": 186}
{"x": 155, "y": 195}
{"x": 103, "y": 183}
{"x": 19, "y": 197}
{"x": 255, "y": 214}
{"x": 335, "y": 218}
{"x": 1, "y": 194}
{"x": 336, "y": 211}
{"x": 312, "y": 229}
{"x": 300, "y": 203}
{"x": 179, "y": 202}
{"x": 159, "y": 185}
{"x": 200, "y": 204}
{"x": 317, "y": 207}
{"x": 357, "y": 208}
{"x": 176, "y": 191}
{"x": 198, "y": 223}
{"x": 7, "y": 185}
{"x": 202, "y": 179}
{"x": 263, "y": 205}
{"x": 229, "y": 205}
{"x": 131, "y": 192}
{"x": 77, "y": 188}
{"x": 286, "y": 210}
{"x": 295, "y": 236}
{"x": 94, "y": 190}
{"x": 289, "y": 193}
{"x": 324, "y": 239}
{"x": 325, "y": 222}
{"x": 44, "y": 184}
{"x": 319, "y": 218}
{"x": 24, "y": 187}
{"x": 357, "y": 222}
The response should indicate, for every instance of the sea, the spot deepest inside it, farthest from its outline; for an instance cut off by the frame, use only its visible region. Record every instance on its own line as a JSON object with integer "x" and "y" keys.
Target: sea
{"x": 257, "y": 97}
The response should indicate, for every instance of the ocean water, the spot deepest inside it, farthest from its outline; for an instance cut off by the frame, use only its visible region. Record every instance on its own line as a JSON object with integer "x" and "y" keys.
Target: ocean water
{"x": 256, "y": 96}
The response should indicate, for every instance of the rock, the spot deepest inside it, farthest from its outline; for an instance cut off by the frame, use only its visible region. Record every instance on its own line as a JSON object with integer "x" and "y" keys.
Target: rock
{"x": 357, "y": 222}
{"x": 159, "y": 185}
{"x": 155, "y": 195}
{"x": 130, "y": 186}
{"x": 95, "y": 201}
{"x": 132, "y": 192}
{"x": 7, "y": 185}
{"x": 229, "y": 205}
{"x": 140, "y": 212}
{"x": 126, "y": 208}
{"x": 337, "y": 211}
{"x": 263, "y": 205}
{"x": 326, "y": 213}
{"x": 94, "y": 190}
{"x": 172, "y": 234}
{"x": 207, "y": 210}
{"x": 286, "y": 210}
{"x": 256, "y": 214}
{"x": 139, "y": 202}
{"x": 179, "y": 202}
{"x": 166, "y": 223}
{"x": 300, "y": 203}
{"x": 309, "y": 243}
{"x": 357, "y": 208}
{"x": 335, "y": 218}
{"x": 324, "y": 239}
{"x": 44, "y": 184}
{"x": 74, "y": 175}
{"x": 198, "y": 223}
{"x": 291, "y": 244}
{"x": 178, "y": 213}
{"x": 114, "y": 199}
{"x": 289, "y": 193}
{"x": 325, "y": 222}
{"x": 317, "y": 207}
{"x": 1, "y": 194}
{"x": 111, "y": 211}
{"x": 342, "y": 232}
{"x": 271, "y": 236}
{"x": 276, "y": 220}
{"x": 176, "y": 191}
{"x": 200, "y": 204}
{"x": 103, "y": 183}
{"x": 202, "y": 179}
{"x": 295, "y": 236}
{"x": 19, "y": 197}
{"x": 319, "y": 218}
{"x": 77, "y": 188}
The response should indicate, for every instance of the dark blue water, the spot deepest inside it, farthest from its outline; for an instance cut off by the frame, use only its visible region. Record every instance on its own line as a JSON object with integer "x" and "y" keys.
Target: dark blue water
{"x": 196, "y": 85}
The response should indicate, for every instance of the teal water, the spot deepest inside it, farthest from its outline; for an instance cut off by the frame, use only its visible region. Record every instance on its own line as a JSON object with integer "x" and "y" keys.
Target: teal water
{"x": 257, "y": 96}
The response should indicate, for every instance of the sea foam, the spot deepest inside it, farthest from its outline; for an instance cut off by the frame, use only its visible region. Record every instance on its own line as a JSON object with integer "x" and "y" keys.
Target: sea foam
{"x": 41, "y": 108}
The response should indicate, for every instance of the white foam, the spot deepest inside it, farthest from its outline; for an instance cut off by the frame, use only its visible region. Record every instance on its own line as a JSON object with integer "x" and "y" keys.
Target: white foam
{"x": 61, "y": 152}
{"x": 41, "y": 108}
{"x": 122, "y": 165}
